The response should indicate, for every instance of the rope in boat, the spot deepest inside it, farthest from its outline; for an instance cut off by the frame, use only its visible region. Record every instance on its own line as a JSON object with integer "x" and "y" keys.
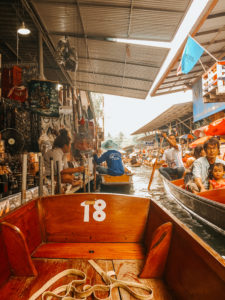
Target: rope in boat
{"x": 70, "y": 291}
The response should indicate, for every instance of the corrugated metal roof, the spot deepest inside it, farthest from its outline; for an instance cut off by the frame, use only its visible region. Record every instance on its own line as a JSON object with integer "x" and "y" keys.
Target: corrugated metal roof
{"x": 211, "y": 35}
{"x": 175, "y": 112}
{"x": 105, "y": 66}
{"x": 110, "y": 62}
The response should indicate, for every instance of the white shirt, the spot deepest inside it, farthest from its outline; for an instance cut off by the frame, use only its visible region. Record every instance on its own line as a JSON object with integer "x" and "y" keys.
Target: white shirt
{"x": 173, "y": 157}
{"x": 58, "y": 155}
{"x": 201, "y": 169}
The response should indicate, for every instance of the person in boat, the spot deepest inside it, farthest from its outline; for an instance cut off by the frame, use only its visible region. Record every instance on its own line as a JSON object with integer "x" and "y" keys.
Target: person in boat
{"x": 190, "y": 185}
{"x": 133, "y": 160}
{"x": 173, "y": 158}
{"x": 203, "y": 165}
{"x": 59, "y": 152}
{"x": 217, "y": 180}
{"x": 113, "y": 159}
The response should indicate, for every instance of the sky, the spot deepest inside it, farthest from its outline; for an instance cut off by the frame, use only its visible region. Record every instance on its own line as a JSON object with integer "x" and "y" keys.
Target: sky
{"x": 128, "y": 114}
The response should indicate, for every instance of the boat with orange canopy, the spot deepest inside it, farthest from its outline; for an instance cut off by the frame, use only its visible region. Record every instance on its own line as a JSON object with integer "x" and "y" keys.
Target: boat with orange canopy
{"x": 208, "y": 207}
{"x": 73, "y": 246}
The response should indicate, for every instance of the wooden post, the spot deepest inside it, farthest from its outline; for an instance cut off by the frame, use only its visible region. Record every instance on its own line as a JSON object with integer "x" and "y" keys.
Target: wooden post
{"x": 58, "y": 186}
{"x": 52, "y": 176}
{"x": 40, "y": 189}
{"x": 24, "y": 178}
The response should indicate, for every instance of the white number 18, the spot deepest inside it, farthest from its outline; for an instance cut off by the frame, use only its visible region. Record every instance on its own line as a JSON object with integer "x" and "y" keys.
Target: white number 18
{"x": 98, "y": 215}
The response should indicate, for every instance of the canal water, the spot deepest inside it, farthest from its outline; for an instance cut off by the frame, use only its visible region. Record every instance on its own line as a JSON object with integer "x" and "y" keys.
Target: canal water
{"x": 139, "y": 188}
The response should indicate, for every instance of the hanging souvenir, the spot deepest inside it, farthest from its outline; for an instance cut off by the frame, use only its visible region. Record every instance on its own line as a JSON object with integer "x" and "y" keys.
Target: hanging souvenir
{"x": 43, "y": 97}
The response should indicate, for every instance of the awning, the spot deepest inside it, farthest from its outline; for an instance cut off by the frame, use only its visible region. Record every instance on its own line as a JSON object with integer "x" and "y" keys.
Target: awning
{"x": 216, "y": 128}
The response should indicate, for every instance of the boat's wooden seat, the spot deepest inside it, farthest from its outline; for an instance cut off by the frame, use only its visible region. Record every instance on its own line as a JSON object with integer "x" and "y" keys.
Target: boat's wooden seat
{"x": 215, "y": 195}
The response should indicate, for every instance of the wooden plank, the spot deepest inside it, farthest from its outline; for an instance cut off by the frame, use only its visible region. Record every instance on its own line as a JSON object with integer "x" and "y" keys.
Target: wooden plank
{"x": 157, "y": 255}
{"x": 17, "y": 251}
{"x": 4, "y": 263}
{"x": 128, "y": 270}
{"x": 111, "y": 219}
{"x": 23, "y": 288}
{"x": 27, "y": 220}
{"x": 91, "y": 250}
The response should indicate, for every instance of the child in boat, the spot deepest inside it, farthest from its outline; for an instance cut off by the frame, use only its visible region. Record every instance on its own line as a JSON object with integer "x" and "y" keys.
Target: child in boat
{"x": 217, "y": 181}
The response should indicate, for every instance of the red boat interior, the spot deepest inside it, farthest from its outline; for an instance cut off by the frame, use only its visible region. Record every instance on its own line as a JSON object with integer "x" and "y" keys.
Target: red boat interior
{"x": 215, "y": 195}
{"x": 50, "y": 234}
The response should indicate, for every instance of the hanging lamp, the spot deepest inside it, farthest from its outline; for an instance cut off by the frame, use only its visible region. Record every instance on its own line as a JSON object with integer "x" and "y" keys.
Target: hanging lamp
{"x": 23, "y": 30}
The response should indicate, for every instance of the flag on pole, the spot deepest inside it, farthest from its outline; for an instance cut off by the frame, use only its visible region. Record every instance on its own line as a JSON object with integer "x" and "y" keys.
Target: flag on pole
{"x": 192, "y": 52}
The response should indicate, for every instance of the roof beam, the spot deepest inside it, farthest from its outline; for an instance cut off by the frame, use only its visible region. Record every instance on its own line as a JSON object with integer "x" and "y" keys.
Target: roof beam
{"x": 119, "y": 62}
{"x": 113, "y": 75}
{"x": 107, "y": 4}
{"x": 113, "y": 86}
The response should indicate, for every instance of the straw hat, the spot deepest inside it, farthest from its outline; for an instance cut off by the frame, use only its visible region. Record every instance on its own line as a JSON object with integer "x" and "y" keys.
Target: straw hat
{"x": 109, "y": 145}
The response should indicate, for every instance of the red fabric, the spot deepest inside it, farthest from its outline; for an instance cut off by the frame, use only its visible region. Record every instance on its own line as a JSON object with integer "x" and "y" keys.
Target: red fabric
{"x": 216, "y": 128}
{"x": 18, "y": 93}
{"x": 217, "y": 185}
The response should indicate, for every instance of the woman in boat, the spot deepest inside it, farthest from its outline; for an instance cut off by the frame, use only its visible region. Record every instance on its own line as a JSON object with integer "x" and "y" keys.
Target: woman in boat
{"x": 216, "y": 180}
{"x": 59, "y": 152}
{"x": 203, "y": 165}
{"x": 113, "y": 159}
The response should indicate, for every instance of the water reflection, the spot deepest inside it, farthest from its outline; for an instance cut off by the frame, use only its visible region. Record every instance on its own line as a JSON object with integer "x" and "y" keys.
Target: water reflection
{"x": 139, "y": 188}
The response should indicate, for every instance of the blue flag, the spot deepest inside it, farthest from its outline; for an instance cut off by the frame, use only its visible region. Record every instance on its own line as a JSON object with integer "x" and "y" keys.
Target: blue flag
{"x": 192, "y": 52}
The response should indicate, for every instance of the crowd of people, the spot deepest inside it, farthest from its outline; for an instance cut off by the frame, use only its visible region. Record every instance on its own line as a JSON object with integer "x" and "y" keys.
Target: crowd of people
{"x": 201, "y": 171}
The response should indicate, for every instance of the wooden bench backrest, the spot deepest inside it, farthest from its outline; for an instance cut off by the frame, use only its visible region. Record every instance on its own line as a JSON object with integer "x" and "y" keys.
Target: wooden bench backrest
{"x": 74, "y": 218}
{"x": 26, "y": 218}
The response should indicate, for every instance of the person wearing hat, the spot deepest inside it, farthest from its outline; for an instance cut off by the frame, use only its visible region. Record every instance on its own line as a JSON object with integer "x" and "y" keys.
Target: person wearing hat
{"x": 113, "y": 159}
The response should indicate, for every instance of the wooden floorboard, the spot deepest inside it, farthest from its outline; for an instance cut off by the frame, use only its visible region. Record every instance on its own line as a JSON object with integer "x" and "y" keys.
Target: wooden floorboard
{"x": 128, "y": 270}
{"x": 23, "y": 288}
{"x": 91, "y": 250}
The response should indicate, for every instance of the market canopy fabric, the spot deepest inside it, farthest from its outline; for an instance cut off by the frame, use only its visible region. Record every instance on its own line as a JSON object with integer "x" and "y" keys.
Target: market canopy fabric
{"x": 216, "y": 128}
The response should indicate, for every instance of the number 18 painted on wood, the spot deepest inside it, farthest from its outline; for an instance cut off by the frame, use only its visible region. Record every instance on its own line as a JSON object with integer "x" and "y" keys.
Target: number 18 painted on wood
{"x": 98, "y": 215}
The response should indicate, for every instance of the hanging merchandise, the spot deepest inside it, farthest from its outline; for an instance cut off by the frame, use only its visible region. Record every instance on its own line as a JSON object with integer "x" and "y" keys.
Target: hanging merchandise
{"x": 84, "y": 138}
{"x": 66, "y": 55}
{"x": 13, "y": 140}
{"x": 43, "y": 97}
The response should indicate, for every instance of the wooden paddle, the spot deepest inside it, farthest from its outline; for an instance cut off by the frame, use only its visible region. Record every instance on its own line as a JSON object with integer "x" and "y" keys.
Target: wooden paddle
{"x": 154, "y": 165}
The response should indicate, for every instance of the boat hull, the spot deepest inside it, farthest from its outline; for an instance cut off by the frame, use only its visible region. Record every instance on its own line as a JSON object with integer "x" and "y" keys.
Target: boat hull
{"x": 124, "y": 180}
{"x": 210, "y": 212}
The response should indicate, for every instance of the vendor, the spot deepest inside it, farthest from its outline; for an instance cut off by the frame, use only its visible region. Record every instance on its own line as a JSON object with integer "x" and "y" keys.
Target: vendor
{"x": 61, "y": 147}
{"x": 113, "y": 159}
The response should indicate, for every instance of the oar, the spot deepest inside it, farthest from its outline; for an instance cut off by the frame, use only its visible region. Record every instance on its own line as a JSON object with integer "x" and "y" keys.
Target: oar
{"x": 154, "y": 165}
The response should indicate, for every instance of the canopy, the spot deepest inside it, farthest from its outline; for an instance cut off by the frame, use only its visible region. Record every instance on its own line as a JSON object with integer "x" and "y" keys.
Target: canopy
{"x": 200, "y": 141}
{"x": 216, "y": 128}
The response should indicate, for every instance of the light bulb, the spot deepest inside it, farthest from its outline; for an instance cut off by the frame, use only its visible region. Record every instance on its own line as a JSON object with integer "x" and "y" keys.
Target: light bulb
{"x": 23, "y": 30}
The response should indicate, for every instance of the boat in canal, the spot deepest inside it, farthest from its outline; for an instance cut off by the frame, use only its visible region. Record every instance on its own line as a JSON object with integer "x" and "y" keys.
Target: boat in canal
{"x": 50, "y": 241}
{"x": 208, "y": 207}
{"x": 124, "y": 180}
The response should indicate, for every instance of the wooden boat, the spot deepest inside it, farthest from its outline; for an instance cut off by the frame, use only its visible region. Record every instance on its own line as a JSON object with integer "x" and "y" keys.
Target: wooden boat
{"x": 208, "y": 207}
{"x": 124, "y": 179}
{"x": 135, "y": 237}
{"x": 136, "y": 165}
